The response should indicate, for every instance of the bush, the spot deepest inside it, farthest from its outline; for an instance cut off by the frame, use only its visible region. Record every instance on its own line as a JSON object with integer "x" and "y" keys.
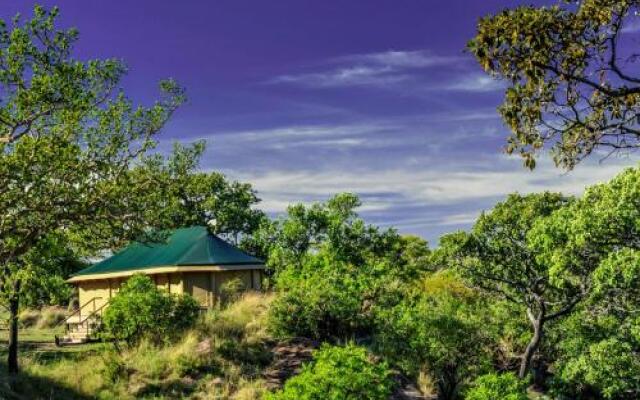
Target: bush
{"x": 51, "y": 317}
{"x": 140, "y": 310}
{"x": 231, "y": 291}
{"x": 498, "y": 386}
{"x": 325, "y": 299}
{"x": 28, "y": 318}
{"x": 113, "y": 369}
{"x": 436, "y": 329}
{"x": 345, "y": 373}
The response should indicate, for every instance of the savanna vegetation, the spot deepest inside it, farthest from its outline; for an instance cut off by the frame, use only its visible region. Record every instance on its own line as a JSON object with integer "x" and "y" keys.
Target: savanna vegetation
{"x": 539, "y": 299}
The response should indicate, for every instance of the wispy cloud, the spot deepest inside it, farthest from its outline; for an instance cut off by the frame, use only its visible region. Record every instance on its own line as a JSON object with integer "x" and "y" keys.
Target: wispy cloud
{"x": 475, "y": 83}
{"x": 402, "y": 59}
{"x": 463, "y": 191}
{"x": 408, "y": 71}
{"x": 346, "y": 76}
{"x": 382, "y": 69}
{"x": 294, "y": 135}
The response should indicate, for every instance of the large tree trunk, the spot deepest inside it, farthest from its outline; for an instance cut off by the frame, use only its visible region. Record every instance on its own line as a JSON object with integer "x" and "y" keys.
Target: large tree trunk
{"x": 534, "y": 343}
{"x": 12, "y": 357}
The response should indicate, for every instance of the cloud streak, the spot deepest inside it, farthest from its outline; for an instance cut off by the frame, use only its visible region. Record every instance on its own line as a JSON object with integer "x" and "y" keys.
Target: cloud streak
{"x": 435, "y": 199}
{"x": 387, "y": 69}
{"x": 401, "y": 59}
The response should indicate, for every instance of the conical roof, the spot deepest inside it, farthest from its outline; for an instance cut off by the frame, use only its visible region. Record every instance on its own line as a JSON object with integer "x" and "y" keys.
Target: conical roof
{"x": 193, "y": 246}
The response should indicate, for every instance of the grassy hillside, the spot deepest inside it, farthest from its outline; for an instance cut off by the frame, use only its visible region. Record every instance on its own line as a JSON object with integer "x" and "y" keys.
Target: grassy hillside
{"x": 222, "y": 358}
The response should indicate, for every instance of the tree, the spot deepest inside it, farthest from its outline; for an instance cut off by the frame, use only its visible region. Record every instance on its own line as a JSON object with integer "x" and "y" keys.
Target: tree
{"x": 437, "y": 328}
{"x": 496, "y": 257}
{"x": 335, "y": 227}
{"x": 596, "y": 237}
{"x": 331, "y": 269}
{"x": 601, "y": 350}
{"x": 68, "y": 146}
{"x": 572, "y": 77}
{"x": 187, "y": 197}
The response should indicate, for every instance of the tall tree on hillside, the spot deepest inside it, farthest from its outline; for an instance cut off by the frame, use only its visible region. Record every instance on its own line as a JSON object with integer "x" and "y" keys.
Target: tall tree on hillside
{"x": 572, "y": 73}
{"x": 68, "y": 141}
{"x": 188, "y": 197}
{"x": 496, "y": 257}
{"x": 599, "y": 236}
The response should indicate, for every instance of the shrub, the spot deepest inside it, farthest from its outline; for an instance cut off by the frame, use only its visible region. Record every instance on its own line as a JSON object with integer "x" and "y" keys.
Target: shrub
{"x": 140, "y": 310}
{"x": 113, "y": 369}
{"x": 231, "y": 290}
{"x": 28, "y": 318}
{"x": 436, "y": 330}
{"x": 326, "y": 299}
{"x": 498, "y": 386}
{"x": 345, "y": 373}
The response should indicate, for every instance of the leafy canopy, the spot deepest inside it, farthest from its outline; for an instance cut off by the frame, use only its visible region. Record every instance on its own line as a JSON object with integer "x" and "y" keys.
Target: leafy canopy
{"x": 572, "y": 77}
{"x": 601, "y": 348}
{"x": 331, "y": 269}
{"x": 186, "y": 197}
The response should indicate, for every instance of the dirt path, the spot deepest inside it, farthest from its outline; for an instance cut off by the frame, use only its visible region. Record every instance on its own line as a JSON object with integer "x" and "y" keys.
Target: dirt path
{"x": 288, "y": 358}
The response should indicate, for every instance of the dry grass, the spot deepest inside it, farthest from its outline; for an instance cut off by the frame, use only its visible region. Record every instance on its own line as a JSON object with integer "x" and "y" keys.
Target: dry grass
{"x": 426, "y": 385}
{"x": 244, "y": 319}
{"x": 222, "y": 358}
{"x": 44, "y": 318}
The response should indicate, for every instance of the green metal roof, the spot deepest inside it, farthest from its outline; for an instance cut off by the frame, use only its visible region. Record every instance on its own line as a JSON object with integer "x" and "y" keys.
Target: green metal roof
{"x": 184, "y": 247}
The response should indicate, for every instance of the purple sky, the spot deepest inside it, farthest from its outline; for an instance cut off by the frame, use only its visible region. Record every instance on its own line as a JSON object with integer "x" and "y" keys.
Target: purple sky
{"x": 305, "y": 99}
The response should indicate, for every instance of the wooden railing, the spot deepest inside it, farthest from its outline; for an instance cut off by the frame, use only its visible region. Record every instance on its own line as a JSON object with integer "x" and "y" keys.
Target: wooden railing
{"x": 91, "y": 318}
{"x": 91, "y": 302}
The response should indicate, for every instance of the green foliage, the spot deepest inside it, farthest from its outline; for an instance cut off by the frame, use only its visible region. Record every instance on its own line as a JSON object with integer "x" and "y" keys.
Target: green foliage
{"x": 141, "y": 310}
{"x": 611, "y": 366}
{"x": 46, "y": 267}
{"x": 333, "y": 269}
{"x": 600, "y": 351}
{"x": 494, "y": 386}
{"x": 339, "y": 373}
{"x": 113, "y": 367}
{"x": 438, "y": 328}
{"x": 231, "y": 290}
{"x": 334, "y": 227}
{"x": 188, "y": 197}
{"x": 567, "y": 85}
{"x": 323, "y": 299}
{"x": 575, "y": 240}
{"x": 68, "y": 144}
{"x": 498, "y": 257}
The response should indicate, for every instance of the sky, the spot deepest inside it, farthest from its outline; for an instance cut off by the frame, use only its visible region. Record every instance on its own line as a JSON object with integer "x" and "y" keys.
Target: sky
{"x": 305, "y": 99}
